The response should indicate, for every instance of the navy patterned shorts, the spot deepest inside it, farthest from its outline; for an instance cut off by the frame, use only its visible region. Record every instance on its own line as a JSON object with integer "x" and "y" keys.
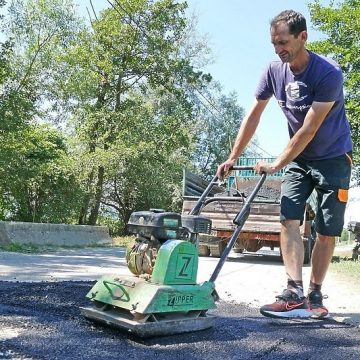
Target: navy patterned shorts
{"x": 329, "y": 180}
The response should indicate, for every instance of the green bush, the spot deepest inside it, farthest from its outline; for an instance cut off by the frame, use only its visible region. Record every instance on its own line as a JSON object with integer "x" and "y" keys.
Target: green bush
{"x": 346, "y": 236}
{"x": 115, "y": 226}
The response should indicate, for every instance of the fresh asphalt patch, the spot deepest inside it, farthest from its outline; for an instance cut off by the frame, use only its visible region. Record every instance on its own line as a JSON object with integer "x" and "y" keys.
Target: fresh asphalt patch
{"x": 42, "y": 320}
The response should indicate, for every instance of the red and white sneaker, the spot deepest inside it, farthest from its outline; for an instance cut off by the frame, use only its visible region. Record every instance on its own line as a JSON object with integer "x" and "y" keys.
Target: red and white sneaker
{"x": 288, "y": 305}
{"x": 315, "y": 300}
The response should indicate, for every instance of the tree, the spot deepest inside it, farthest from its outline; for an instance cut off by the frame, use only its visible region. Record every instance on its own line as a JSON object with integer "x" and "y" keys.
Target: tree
{"x": 148, "y": 158}
{"x": 131, "y": 50}
{"x": 40, "y": 30}
{"x": 16, "y": 102}
{"x": 128, "y": 88}
{"x": 43, "y": 180}
{"x": 341, "y": 26}
{"x": 219, "y": 117}
{"x": 36, "y": 177}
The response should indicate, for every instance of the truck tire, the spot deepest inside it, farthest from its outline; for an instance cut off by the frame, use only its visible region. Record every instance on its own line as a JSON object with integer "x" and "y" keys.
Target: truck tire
{"x": 203, "y": 250}
{"x": 309, "y": 242}
{"x": 308, "y": 246}
{"x": 217, "y": 249}
{"x": 281, "y": 258}
{"x": 355, "y": 253}
{"x": 237, "y": 249}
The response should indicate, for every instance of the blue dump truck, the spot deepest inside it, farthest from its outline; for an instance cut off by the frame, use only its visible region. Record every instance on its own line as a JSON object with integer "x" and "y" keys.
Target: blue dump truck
{"x": 262, "y": 228}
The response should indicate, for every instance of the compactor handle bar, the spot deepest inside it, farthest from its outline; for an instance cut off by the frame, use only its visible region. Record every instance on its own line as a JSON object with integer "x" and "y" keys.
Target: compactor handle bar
{"x": 239, "y": 220}
{"x": 200, "y": 203}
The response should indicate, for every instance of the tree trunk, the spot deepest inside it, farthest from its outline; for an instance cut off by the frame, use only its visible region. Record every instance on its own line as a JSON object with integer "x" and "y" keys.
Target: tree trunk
{"x": 98, "y": 195}
{"x": 86, "y": 201}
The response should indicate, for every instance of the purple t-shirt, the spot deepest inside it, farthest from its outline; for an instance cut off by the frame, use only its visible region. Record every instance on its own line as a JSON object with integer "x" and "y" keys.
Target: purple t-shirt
{"x": 321, "y": 81}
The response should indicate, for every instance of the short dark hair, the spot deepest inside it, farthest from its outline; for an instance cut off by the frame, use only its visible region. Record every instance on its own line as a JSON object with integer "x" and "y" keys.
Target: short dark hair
{"x": 295, "y": 21}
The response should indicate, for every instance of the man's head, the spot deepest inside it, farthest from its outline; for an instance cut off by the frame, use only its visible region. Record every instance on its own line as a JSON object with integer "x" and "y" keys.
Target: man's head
{"x": 288, "y": 34}
{"x": 295, "y": 21}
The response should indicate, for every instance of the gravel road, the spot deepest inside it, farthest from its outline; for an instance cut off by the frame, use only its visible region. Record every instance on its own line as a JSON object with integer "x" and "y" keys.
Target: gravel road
{"x": 41, "y": 320}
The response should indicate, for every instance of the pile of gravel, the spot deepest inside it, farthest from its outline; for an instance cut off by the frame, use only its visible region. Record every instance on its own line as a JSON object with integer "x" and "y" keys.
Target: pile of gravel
{"x": 265, "y": 193}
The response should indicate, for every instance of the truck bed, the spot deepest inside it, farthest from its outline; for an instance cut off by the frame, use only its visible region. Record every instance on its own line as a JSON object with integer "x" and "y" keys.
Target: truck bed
{"x": 262, "y": 227}
{"x": 263, "y": 218}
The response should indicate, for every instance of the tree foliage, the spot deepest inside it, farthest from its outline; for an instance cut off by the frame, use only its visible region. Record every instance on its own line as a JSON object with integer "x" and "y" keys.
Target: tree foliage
{"x": 42, "y": 177}
{"x": 340, "y": 23}
{"x": 219, "y": 117}
{"x": 35, "y": 171}
{"x": 102, "y": 117}
{"x": 131, "y": 53}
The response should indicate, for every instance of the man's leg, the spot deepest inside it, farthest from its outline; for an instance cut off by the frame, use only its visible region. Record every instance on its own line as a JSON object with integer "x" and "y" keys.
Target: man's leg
{"x": 332, "y": 182}
{"x": 292, "y": 249}
{"x": 292, "y": 302}
{"x": 296, "y": 187}
{"x": 320, "y": 261}
{"x": 321, "y": 258}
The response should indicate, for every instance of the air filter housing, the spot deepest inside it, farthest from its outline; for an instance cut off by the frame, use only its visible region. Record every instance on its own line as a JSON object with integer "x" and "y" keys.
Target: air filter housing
{"x": 161, "y": 225}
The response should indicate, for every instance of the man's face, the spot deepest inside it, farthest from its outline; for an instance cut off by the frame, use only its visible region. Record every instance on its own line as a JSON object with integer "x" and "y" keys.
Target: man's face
{"x": 286, "y": 46}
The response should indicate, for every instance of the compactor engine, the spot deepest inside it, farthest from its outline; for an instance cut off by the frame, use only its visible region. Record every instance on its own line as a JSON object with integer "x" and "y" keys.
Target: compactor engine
{"x": 154, "y": 227}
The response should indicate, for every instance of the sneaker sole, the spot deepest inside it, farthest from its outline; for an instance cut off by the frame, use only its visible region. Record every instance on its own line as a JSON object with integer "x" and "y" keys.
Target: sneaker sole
{"x": 296, "y": 313}
{"x": 319, "y": 316}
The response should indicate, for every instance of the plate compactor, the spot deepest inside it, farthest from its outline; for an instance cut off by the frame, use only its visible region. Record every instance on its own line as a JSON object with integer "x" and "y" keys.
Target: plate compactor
{"x": 163, "y": 296}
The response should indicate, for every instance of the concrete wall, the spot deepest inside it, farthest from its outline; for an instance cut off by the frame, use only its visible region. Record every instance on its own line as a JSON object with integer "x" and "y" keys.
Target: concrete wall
{"x": 52, "y": 234}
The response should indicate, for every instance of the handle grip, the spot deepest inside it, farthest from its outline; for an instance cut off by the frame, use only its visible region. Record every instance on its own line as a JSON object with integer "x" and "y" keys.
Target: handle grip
{"x": 199, "y": 204}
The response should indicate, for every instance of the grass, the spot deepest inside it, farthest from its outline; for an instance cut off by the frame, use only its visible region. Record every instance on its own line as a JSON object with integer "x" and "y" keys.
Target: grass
{"x": 38, "y": 249}
{"x": 123, "y": 240}
{"x": 343, "y": 266}
{"x": 33, "y": 249}
{"x": 347, "y": 269}
{"x": 21, "y": 248}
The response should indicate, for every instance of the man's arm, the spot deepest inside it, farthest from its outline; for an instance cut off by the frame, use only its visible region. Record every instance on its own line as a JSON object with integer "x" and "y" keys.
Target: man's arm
{"x": 313, "y": 120}
{"x": 245, "y": 133}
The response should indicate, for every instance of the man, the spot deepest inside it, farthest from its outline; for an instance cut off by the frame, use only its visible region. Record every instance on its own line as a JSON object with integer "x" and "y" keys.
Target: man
{"x": 309, "y": 89}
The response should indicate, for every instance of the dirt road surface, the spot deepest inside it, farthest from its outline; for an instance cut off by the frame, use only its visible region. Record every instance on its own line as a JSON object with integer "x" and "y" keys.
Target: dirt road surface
{"x": 40, "y": 297}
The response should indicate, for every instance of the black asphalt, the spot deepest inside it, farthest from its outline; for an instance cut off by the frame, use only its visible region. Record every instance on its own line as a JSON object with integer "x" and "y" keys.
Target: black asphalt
{"x": 49, "y": 325}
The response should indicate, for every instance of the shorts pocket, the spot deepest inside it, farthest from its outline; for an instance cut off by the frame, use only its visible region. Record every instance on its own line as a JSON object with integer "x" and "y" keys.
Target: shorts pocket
{"x": 343, "y": 195}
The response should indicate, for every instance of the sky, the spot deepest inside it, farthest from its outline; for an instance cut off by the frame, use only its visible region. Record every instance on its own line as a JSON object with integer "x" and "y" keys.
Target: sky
{"x": 240, "y": 39}
{"x": 238, "y": 34}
